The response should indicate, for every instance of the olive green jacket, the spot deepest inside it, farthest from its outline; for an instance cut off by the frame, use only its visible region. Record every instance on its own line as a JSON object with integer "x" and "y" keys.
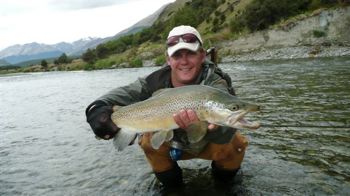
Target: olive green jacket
{"x": 143, "y": 88}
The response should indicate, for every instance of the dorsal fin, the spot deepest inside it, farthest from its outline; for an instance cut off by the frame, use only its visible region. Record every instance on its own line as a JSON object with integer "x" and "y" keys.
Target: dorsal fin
{"x": 116, "y": 107}
{"x": 160, "y": 91}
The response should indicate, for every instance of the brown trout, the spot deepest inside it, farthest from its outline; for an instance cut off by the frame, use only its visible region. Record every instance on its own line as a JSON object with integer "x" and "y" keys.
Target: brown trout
{"x": 156, "y": 114}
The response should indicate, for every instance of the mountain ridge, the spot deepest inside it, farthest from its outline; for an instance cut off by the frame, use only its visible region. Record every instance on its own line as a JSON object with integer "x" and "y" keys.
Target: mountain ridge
{"x": 20, "y": 53}
{"x": 31, "y": 51}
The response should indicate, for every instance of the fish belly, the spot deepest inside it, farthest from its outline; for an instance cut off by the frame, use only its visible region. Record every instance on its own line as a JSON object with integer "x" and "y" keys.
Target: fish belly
{"x": 148, "y": 125}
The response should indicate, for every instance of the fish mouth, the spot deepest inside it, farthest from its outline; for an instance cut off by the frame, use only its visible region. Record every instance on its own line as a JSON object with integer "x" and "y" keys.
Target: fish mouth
{"x": 237, "y": 120}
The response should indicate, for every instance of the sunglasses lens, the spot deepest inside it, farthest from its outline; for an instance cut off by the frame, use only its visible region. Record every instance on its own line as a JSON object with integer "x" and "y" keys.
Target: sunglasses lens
{"x": 173, "y": 40}
{"x": 189, "y": 38}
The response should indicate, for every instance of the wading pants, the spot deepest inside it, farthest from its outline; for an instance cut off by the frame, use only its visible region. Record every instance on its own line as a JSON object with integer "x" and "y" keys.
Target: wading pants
{"x": 224, "y": 156}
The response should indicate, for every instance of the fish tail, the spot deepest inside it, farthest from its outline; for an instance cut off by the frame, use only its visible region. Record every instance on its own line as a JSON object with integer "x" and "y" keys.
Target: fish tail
{"x": 123, "y": 139}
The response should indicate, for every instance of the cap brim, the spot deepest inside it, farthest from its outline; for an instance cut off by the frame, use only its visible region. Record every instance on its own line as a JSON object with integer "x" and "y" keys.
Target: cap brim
{"x": 182, "y": 45}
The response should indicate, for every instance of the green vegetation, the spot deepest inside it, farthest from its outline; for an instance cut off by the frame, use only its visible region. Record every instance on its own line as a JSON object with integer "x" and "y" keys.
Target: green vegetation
{"x": 260, "y": 14}
{"x": 44, "y": 64}
{"x": 217, "y": 20}
{"x": 131, "y": 50}
{"x": 191, "y": 14}
{"x": 63, "y": 59}
{"x": 160, "y": 60}
{"x": 136, "y": 62}
{"x": 318, "y": 33}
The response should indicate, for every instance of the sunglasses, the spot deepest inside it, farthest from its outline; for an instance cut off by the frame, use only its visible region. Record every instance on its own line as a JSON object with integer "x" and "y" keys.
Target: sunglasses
{"x": 187, "y": 38}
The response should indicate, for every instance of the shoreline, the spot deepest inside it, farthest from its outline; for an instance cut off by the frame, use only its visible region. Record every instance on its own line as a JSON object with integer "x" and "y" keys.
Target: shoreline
{"x": 288, "y": 53}
{"x": 262, "y": 54}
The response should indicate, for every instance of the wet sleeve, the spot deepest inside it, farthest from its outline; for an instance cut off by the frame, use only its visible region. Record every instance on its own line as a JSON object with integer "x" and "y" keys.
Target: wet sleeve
{"x": 126, "y": 95}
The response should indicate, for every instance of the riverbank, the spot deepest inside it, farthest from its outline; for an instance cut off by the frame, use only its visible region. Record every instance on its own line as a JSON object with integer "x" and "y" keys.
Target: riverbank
{"x": 296, "y": 52}
{"x": 322, "y": 33}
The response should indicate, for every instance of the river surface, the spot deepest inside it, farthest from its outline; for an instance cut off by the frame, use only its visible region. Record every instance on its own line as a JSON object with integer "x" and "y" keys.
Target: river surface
{"x": 47, "y": 148}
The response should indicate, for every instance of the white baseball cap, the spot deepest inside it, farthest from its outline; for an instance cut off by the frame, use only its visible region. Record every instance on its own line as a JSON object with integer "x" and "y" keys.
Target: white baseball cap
{"x": 181, "y": 30}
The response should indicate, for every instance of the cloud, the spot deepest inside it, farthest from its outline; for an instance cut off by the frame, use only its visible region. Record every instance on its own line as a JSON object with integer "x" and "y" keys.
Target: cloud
{"x": 14, "y": 7}
{"x": 84, "y": 4}
{"x": 44, "y": 21}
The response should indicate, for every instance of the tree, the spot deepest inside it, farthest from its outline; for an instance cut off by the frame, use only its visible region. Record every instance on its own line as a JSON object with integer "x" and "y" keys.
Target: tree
{"x": 44, "y": 64}
{"x": 63, "y": 59}
{"x": 101, "y": 51}
{"x": 89, "y": 56}
{"x": 259, "y": 14}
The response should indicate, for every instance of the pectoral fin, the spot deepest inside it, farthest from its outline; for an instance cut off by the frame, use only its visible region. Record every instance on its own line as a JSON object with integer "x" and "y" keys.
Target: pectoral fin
{"x": 196, "y": 131}
{"x": 159, "y": 137}
{"x": 169, "y": 135}
{"x": 123, "y": 139}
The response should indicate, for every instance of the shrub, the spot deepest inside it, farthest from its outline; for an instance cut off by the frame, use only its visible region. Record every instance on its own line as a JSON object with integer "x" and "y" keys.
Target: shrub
{"x": 318, "y": 33}
{"x": 160, "y": 60}
{"x": 104, "y": 63}
{"x": 44, "y": 64}
{"x": 89, "y": 56}
{"x": 89, "y": 67}
{"x": 260, "y": 14}
{"x": 136, "y": 62}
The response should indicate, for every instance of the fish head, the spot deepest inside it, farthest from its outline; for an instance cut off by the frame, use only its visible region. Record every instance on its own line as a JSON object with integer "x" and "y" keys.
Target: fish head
{"x": 237, "y": 105}
{"x": 239, "y": 109}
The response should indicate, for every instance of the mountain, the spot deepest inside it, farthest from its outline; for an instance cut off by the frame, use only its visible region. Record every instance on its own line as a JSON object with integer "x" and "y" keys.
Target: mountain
{"x": 32, "y": 51}
{"x": 142, "y": 24}
{"x": 3, "y": 62}
{"x": 20, "y": 53}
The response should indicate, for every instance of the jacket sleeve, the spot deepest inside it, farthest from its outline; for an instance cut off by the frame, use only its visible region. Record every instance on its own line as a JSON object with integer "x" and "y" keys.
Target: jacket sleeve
{"x": 218, "y": 79}
{"x": 126, "y": 95}
{"x": 219, "y": 83}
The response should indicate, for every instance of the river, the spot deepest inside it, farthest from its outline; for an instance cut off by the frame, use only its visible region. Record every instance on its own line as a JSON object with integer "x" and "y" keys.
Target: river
{"x": 303, "y": 148}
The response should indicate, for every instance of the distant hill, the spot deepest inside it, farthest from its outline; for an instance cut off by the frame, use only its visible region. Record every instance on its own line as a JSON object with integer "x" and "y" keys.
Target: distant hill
{"x": 142, "y": 24}
{"x": 4, "y": 62}
{"x": 34, "y": 52}
{"x": 222, "y": 22}
{"x": 24, "y": 58}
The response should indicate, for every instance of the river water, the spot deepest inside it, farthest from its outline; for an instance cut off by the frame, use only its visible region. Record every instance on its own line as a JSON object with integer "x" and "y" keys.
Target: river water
{"x": 47, "y": 148}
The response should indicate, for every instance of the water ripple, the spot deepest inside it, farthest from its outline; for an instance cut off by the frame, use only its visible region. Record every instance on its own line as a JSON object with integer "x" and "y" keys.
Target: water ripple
{"x": 47, "y": 148}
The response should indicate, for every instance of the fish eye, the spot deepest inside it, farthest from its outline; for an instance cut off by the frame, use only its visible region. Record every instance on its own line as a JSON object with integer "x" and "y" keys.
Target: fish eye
{"x": 235, "y": 107}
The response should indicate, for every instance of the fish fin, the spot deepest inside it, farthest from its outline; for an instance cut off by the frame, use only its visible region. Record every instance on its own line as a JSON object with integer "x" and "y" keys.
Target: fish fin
{"x": 196, "y": 131}
{"x": 169, "y": 135}
{"x": 158, "y": 139}
{"x": 116, "y": 107}
{"x": 159, "y": 92}
{"x": 123, "y": 139}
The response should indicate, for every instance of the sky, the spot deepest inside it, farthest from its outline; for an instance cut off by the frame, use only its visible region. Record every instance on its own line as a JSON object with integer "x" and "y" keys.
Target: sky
{"x": 53, "y": 21}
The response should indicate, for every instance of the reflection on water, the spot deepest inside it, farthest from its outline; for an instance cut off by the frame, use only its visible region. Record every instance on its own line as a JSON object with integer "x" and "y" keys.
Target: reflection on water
{"x": 47, "y": 148}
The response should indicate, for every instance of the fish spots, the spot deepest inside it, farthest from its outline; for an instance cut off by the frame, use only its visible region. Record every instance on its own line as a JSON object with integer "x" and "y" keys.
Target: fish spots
{"x": 214, "y": 105}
